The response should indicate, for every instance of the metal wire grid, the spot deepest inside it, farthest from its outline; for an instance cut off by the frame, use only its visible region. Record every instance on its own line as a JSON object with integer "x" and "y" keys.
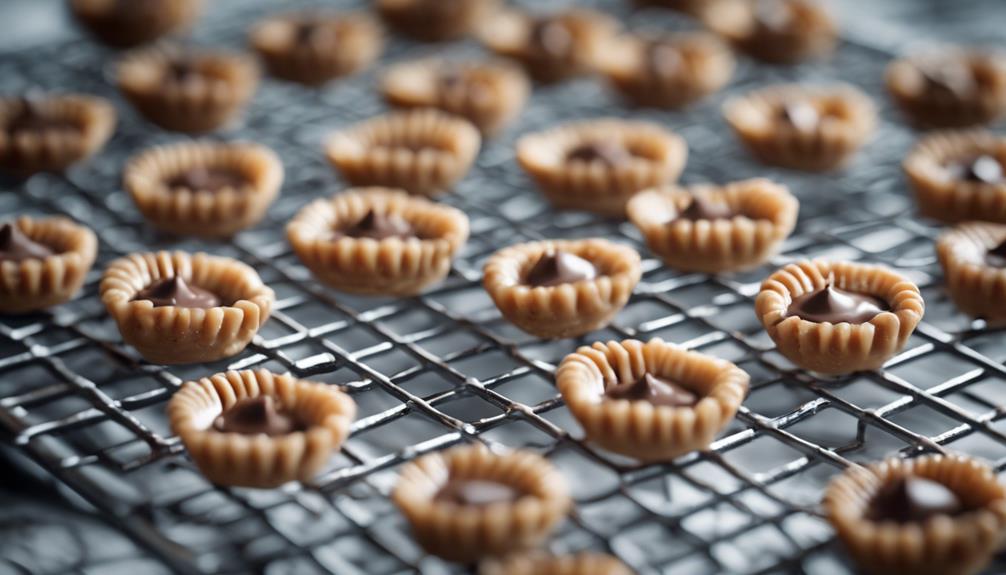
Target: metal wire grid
{"x": 444, "y": 368}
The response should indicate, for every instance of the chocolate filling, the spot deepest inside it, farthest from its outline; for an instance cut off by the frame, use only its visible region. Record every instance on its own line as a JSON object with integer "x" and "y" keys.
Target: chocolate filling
{"x": 378, "y": 226}
{"x": 203, "y": 179}
{"x": 477, "y": 492}
{"x": 311, "y": 33}
{"x": 655, "y": 389}
{"x": 836, "y": 305}
{"x": 552, "y": 39}
{"x": 702, "y": 209}
{"x": 559, "y": 267}
{"x": 774, "y": 15}
{"x": 663, "y": 60}
{"x": 801, "y": 115}
{"x": 254, "y": 415}
{"x": 983, "y": 169}
{"x": 175, "y": 291}
{"x": 17, "y": 247}
{"x": 911, "y": 499}
{"x": 996, "y": 257}
{"x": 181, "y": 71}
{"x": 612, "y": 153}
{"x": 30, "y": 118}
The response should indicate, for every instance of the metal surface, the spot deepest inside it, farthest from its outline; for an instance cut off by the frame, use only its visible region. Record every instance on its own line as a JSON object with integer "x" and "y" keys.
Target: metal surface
{"x": 432, "y": 371}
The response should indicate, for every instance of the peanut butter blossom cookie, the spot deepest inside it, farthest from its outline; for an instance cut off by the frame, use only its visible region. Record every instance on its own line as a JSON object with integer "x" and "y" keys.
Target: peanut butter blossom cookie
{"x": 932, "y": 515}
{"x": 812, "y": 128}
{"x": 780, "y": 31}
{"x": 598, "y": 165}
{"x": 551, "y": 47}
{"x": 973, "y": 257}
{"x": 959, "y": 176}
{"x": 651, "y": 401}
{"x": 424, "y": 152}
{"x": 204, "y": 189}
{"x": 51, "y": 133}
{"x": 313, "y": 48}
{"x": 488, "y": 94}
{"x": 561, "y": 288}
{"x": 260, "y": 429}
{"x": 126, "y": 23}
{"x": 954, "y": 88}
{"x": 43, "y": 262}
{"x": 715, "y": 229}
{"x": 437, "y": 20}
{"x": 667, "y": 71}
{"x": 467, "y": 503}
{"x": 186, "y": 91}
{"x": 175, "y": 308}
{"x": 865, "y": 313}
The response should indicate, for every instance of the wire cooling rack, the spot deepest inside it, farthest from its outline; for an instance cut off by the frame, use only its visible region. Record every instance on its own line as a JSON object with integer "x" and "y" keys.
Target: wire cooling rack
{"x": 444, "y": 368}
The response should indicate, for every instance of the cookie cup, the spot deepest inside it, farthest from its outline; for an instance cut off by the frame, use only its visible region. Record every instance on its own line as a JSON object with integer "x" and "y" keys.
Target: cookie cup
{"x": 638, "y": 428}
{"x": 941, "y": 545}
{"x": 765, "y": 215}
{"x": 589, "y": 30}
{"x": 976, "y": 288}
{"x": 178, "y": 335}
{"x": 814, "y": 37}
{"x": 937, "y": 109}
{"x": 569, "y": 309}
{"x": 391, "y": 266}
{"x": 839, "y": 348}
{"x": 490, "y": 94}
{"x": 204, "y": 213}
{"x": 940, "y": 194}
{"x": 423, "y": 152}
{"x": 226, "y": 83}
{"x": 31, "y": 151}
{"x": 260, "y": 460}
{"x": 356, "y": 43}
{"x": 465, "y": 534}
{"x": 35, "y": 284}
{"x": 658, "y": 157}
{"x": 134, "y": 25}
{"x": 706, "y": 66}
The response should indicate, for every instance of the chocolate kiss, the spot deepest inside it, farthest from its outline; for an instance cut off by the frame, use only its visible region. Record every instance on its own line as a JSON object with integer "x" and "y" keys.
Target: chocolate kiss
{"x": 909, "y": 499}
{"x": 702, "y": 209}
{"x": 379, "y": 226}
{"x": 255, "y": 415}
{"x": 985, "y": 169}
{"x": 801, "y": 115}
{"x": 836, "y": 305}
{"x": 477, "y": 492}
{"x": 556, "y": 268}
{"x": 17, "y": 247}
{"x": 175, "y": 291}
{"x": 657, "y": 390}
{"x": 996, "y": 256}
{"x": 611, "y": 153}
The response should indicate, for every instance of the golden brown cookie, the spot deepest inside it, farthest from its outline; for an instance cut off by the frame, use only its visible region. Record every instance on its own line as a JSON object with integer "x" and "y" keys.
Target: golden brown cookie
{"x": 204, "y": 189}
{"x": 313, "y": 48}
{"x": 436, "y": 20}
{"x": 176, "y": 308}
{"x": 551, "y": 47}
{"x": 973, "y": 256}
{"x": 51, "y": 133}
{"x": 488, "y": 94}
{"x": 561, "y": 288}
{"x": 955, "y": 88}
{"x": 932, "y": 515}
{"x": 838, "y": 317}
{"x": 43, "y": 262}
{"x": 598, "y": 165}
{"x": 813, "y": 128}
{"x": 183, "y": 91}
{"x": 423, "y": 152}
{"x": 667, "y": 71}
{"x": 959, "y": 176}
{"x": 539, "y": 563}
{"x": 715, "y": 229}
{"x": 652, "y": 401}
{"x": 467, "y": 503}
{"x": 126, "y": 23}
{"x": 260, "y": 429}
{"x": 778, "y": 31}
{"x": 378, "y": 241}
